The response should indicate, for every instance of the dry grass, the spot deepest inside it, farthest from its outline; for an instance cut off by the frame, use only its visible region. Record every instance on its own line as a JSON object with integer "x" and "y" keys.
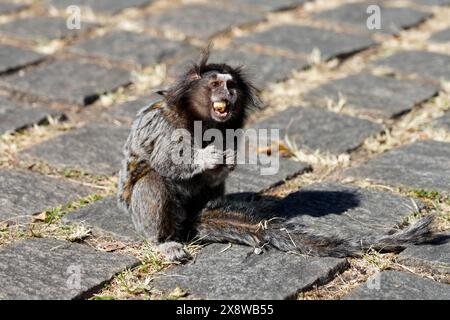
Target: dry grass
{"x": 316, "y": 157}
{"x": 360, "y": 271}
{"x": 12, "y": 143}
{"x": 137, "y": 283}
{"x": 72, "y": 233}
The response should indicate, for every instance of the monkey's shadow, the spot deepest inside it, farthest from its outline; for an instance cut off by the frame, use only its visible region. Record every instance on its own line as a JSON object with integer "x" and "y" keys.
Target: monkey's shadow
{"x": 316, "y": 203}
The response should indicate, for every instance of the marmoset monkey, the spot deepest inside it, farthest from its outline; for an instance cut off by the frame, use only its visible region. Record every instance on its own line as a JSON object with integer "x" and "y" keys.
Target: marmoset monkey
{"x": 170, "y": 203}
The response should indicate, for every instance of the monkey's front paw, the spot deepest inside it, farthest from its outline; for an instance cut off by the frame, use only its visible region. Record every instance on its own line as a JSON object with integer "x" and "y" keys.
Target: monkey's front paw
{"x": 210, "y": 157}
{"x": 174, "y": 251}
{"x": 230, "y": 159}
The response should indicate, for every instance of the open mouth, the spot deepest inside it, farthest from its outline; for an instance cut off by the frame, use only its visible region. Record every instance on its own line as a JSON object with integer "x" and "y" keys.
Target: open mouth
{"x": 221, "y": 109}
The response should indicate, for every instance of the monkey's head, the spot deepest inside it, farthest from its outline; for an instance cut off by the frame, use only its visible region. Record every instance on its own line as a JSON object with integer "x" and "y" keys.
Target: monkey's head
{"x": 214, "y": 92}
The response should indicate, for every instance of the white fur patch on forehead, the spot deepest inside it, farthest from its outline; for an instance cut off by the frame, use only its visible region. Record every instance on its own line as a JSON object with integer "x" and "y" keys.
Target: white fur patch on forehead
{"x": 224, "y": 77}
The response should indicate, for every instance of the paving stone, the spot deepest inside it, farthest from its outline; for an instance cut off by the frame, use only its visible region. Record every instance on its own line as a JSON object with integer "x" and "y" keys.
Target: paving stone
{"x": 131, "y": 47}
{"x": 10, "y": 7}
{"x": 94, "y": 148}
{"x": 106, "y": 218}
{"x": 430, "y": 65}
{"x": 261, "y": 68}
{"x": 347, "y": 211}
{"x": 248, "y": 177}
{"x": 421, "y": 165}
{"x": 42, "y": 28}
{"x": 432, "y": 2}
{"x": 317, "y": 128}
{"x": 24, "y": 193}
{"x": 126, "y": 112}
{"x": 396, "y": 285}
{"x": 14, "y": 117}
{"x": 392, "y": 22}
{"x": 201, "y": 21}
{"x": 434, "y": 257}
{"x": 51, "y": 269}
{"x": 101, "y": 6}
{"x": 443, "y": 121}
{"x": 301, "y": 39}
{"x": 68, "y": 81}
{"x": 270, "y": 5}
{"x": 237, "y": 273}
{"x": 13, "y": 58}
{"x": 380, "y": 96}
{"x": 441, "y": 36}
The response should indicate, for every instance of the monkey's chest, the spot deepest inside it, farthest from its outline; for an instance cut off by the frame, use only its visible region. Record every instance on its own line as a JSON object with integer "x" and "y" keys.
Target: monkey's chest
{"x": 202, "y": 183}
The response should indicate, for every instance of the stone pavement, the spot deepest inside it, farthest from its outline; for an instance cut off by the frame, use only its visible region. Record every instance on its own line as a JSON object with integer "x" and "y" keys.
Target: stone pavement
{"x": 364, "y": 113}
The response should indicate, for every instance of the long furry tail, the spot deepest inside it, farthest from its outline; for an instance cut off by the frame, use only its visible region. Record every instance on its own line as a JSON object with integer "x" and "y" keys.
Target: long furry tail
{"x": 236, "y": 223}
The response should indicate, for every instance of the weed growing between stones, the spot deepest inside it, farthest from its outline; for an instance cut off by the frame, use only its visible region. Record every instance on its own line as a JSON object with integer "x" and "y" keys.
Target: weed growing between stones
{"x": 53, "y": 215}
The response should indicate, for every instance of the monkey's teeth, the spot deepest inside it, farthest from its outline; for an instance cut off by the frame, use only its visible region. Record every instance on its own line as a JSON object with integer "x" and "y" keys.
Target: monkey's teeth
{"x": 220, "y": 106}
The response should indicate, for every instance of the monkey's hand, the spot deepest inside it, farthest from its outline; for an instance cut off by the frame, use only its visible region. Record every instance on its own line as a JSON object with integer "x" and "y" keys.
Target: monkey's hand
{"x": 209, "y": 158}
{"x": 230, "y": 159}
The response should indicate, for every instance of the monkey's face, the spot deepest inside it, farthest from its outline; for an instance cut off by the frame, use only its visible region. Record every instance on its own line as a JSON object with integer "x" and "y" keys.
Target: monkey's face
{"x": 219, "y": 96}
{"x": 215, "y": 93}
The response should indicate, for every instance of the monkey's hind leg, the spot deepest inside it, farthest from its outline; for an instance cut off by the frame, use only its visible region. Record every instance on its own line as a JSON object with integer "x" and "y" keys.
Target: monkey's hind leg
{"x": 157, "y": 216}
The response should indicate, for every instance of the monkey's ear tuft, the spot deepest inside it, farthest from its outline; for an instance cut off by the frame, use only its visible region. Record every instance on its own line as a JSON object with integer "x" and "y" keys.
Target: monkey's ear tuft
{"x": 200, "y": 66}
{"x": 204, "y": 57}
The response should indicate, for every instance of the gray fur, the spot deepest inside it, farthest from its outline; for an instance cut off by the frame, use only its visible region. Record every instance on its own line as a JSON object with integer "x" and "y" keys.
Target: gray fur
{"x": 159, "y": 201}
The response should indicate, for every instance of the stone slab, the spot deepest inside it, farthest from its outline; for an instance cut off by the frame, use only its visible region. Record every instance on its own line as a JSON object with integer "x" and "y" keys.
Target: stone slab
{"x": 393, "y": 19}
{"x": 319, "y": 129}
{"x": 11, "y": 7}
{"x": 434, "y": 257}
{"x": 433, "y": 66}
{"x": 51, "y": 269}
{"x": 42, "y": 28}
{"x": 201, "y": 21}
{"x": 261, "y": 68}
{"x": 421, "y": 165}
{"x": 105, "y": 217}
{"x": 378, "y": 96}
{"x": 14, "y": 58}
{"x": 237, "y": 273}
{"x": 249, "y": 177}
{"x": 14, "y": 117}
{"x": 126, "y": 112}
{"x": 347, "y": 211}
{"x": 94, "y": 148}
{"x": 101, "y": 6}
{"x": 432, "y": 2}
{"x": 302, "y": 39}
{"x": 270, "y": 5}
{"x": 24, "y": 193}
{"x": 67, "y": 81}
{"x": 441, "y": 36}
{"x": 395, "y": 285}
{"x": 131, "y": 47}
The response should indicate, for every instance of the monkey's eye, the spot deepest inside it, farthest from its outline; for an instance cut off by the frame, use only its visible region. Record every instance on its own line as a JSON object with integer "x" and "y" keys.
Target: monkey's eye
{"x": 215, "y": 84}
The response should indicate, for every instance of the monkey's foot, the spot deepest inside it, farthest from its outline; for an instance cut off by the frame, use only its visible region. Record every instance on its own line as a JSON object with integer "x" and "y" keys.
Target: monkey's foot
{"x": 174, "y": 251}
